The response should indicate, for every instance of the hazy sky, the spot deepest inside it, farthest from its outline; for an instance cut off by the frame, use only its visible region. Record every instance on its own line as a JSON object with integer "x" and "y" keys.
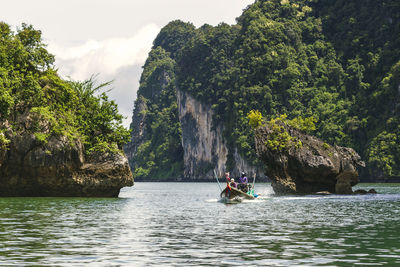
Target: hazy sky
{"x": 111, "y": 37}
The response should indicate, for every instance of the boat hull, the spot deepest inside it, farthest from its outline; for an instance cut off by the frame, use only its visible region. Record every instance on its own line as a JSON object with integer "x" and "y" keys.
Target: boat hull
{"x": 233, "y": 193}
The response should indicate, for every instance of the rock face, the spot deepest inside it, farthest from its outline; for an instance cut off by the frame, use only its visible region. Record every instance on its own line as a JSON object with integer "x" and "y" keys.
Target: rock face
{"x": 138, "y": 131}
{"x": 58, "y": 167}
{"x": 204, "y": 149}
{"x": 313, "y": 167}
{"x": 203, "y": 143}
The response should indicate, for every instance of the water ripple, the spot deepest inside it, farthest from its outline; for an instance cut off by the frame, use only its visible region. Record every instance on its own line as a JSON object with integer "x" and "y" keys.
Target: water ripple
{"x": 164, "y": 224}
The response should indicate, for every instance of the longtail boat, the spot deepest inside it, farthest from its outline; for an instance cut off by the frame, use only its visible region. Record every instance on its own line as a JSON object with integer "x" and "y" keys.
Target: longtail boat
{"x": 235, "y": 195}
{"x": 231, "y": 193}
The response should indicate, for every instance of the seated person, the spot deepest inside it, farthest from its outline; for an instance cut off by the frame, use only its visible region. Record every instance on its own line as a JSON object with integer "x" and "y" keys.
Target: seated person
{"x": 233, "y": 183}
{"x": 243, "y": 182}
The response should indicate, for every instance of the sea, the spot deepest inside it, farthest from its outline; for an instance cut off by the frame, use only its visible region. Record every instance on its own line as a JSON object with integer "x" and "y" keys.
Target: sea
{"x": 183, "y": 224}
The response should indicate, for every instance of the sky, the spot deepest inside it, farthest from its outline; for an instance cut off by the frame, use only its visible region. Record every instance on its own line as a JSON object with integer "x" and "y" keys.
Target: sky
{"x": 111, "y": 38}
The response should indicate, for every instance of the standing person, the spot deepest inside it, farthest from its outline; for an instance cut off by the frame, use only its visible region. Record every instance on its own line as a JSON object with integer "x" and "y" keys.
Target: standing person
{"x": 228, "y": 179}
{"x": 228, "y": 185}
{"x": 243, "y": 182}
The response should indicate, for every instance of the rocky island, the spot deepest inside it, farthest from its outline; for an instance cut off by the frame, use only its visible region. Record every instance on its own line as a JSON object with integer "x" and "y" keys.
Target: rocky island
{"x": 57, "y": 137}
{"x": 297, "y": 162}
{"x": 59, "y": 168}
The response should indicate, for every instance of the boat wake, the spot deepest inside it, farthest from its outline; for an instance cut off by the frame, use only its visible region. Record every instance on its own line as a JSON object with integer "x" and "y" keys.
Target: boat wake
{"x": 230, "y": 201}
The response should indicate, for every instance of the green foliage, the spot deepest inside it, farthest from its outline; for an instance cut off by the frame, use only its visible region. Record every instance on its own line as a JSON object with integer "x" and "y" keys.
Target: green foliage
{"x": 44, "y": 124}
{"x": 384, "y": 152}
{"x": 54, "y": 107}
{"x": 255, "y": 118}
{"x": 326, "y": 145}
{"x": 174, "y": 36}
{"x": 299, "y": 144}
{"x": 98, "y": 118}
{"x": 41, "y": 137}
{"x": 3, "y": 140}
{"x": 333, "y": 66}
{"x": 303, "y": 124}
{"x": 160, "y": 155}
{"x": 6, "y": 102}
{"x": 280, "y": 139}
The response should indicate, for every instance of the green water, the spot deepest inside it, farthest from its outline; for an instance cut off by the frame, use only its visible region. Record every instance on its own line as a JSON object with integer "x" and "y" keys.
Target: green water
{"x": 182, "y": 224}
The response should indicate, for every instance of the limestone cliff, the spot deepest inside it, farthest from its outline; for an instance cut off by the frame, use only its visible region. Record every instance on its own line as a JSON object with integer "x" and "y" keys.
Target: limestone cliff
{"x": 204, "y": 146}
{"x": 174, "y": 136}
{"x": 57, "y": 167}
{"x": 202, "y": 142}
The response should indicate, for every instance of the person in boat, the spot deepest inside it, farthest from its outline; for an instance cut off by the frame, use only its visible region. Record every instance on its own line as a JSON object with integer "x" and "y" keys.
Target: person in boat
{"x": 243, "y": 182}
{"x": 228, "y": 179}
{"x": 233, "y": 183}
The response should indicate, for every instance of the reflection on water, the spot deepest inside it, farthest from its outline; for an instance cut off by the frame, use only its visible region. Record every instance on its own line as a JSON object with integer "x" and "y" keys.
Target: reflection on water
{"x": 163, "y": 224}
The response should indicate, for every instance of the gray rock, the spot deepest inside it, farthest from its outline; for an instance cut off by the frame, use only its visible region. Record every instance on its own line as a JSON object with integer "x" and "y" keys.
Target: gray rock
{"x": 313, "y": 167}
{"x": 58, "y": 168}
{"x": 360, "y": 192}
{"x": 372, "y": 191}
{"x": 204, "y": 145}
{"x": 363, "y": 191}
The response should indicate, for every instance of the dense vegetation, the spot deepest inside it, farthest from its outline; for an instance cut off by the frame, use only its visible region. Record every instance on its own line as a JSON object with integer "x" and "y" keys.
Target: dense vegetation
{"x": 34, "y": 99}
{"x": 161, "y": 156}
{"x": 336, "y": 61}
{"x": 279, "y": 138}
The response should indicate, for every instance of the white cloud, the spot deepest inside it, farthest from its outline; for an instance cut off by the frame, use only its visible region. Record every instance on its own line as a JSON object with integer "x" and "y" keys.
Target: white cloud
{"x": 118, "y": 59}
{"x": 104, "y": 57}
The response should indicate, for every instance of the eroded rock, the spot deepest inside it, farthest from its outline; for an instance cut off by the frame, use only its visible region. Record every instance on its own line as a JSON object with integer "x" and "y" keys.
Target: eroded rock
{"x": 58, "y": 167}
{"x": 204, "y": 146}
{"x": 314, "y": 166}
